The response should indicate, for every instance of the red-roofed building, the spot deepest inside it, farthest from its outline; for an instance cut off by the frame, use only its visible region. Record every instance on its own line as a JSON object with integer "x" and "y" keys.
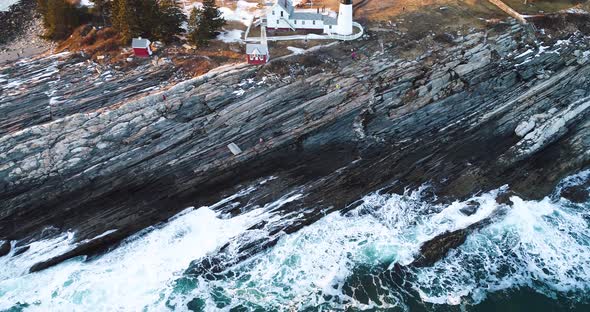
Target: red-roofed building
{"x": 141, "y": 47}
{"x": 257, "y": 54}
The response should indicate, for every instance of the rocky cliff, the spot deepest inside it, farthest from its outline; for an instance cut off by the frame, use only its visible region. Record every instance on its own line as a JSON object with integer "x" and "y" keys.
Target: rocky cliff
{"x": 472, "y": 114}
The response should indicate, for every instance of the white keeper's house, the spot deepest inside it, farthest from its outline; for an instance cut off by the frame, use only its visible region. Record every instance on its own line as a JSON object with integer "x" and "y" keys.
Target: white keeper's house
{"x": 283, "y": 15}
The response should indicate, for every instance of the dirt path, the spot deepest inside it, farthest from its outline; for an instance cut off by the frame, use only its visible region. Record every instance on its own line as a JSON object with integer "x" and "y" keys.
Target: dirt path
{"x": 360, "y": 4}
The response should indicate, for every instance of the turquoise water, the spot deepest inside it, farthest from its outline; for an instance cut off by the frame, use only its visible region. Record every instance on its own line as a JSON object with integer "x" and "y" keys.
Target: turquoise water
{"x": 534, "y": 257}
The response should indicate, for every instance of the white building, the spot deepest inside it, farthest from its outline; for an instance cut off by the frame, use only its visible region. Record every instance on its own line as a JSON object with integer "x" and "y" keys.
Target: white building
{"x": 283, "y": 15}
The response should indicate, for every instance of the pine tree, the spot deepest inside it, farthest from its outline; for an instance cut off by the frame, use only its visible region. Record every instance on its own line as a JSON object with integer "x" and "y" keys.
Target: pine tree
{"x": 59, "y": 18}
{"x": 209, "y": 23}
{"x": 122, "y": 18}
{"x": 101, "y": 9}
{"x": 148, "y": 18}
{"x": 170, "y": 20}
{"x": 133, "y": 18}
{"x": 211, "y": 20}
{"x": 193, "y": 25}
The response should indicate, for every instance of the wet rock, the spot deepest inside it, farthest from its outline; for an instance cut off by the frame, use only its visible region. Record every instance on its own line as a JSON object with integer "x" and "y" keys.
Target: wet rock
{"x": 504, "y": 198}
{"x": 21, "y": 250}
{"x": 438, "y": 247}
{"x": 428, "y": 194}
{"x": 576, "y": 194}
{"x": 4, "y": 248}
{"x": 470, "y": 208}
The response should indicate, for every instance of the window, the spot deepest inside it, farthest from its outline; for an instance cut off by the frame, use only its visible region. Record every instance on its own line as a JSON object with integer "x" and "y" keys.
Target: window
{"x": 303, "y": 22}
{"x": 295, "y": 22}
{"x": 330, "y": 26}
{"x": 277, "y": 22}
{"x": 282, "y": 13}
{"x": 314, "y": 22}
{"x": 273, "y": 12}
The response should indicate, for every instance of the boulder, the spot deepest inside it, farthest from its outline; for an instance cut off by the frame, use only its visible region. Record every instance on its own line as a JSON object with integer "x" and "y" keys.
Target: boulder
{"x": 576, "y": 194}
{"x": 438, "y": 247}
{"x": 504, "y": 198}
{"x": 470, "y": 208}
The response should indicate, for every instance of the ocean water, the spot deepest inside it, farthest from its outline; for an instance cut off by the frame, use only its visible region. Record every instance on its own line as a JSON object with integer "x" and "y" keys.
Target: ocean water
{"x": 536, "y": 255}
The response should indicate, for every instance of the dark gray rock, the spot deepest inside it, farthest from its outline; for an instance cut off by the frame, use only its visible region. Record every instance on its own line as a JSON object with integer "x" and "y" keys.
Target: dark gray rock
{"x": 4, "y": 248}
{"x": 20, "y": 250}
{"x": 576, "y": 193}
{"x": 437, "y": 248}
{"x": 470, "y": 208}
{"x": 504, "y": 198}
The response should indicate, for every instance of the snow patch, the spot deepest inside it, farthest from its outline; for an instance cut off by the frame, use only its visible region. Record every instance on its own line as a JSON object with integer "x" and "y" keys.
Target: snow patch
{"x": 243, "y": 13}
{"x": 5, "y": 4}
{"x": 296, "y": 50}
{"x": 230, "y": 36}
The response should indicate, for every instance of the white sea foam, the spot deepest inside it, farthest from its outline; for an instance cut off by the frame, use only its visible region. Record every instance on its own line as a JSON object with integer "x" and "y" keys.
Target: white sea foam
{"x": 540, "y": 244}
{"x": 16, "y": 266}
{"x": 316, "y": 261}
{"x": 136, "y": 276}
{"x": 543, "y": 245}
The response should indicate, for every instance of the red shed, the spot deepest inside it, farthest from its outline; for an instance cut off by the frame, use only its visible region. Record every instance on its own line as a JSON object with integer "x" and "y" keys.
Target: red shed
{"x": 141, "y": 47}
{"x": 257, "y": 54}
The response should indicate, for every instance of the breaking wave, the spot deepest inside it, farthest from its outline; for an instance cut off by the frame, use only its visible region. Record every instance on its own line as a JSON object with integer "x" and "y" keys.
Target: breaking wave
{"x": 347, "y": 261}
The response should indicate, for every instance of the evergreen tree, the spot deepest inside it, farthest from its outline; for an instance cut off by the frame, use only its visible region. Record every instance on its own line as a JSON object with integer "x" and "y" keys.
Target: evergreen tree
{"x": 59, "y": 18}
{"x": 133, "y": 18}
{"x": 148, "y": 18}
{"x": 211, "y": 20}
{"x": 209, "y": 23}
{"x": 101, "y": 9}
{"x": 170, "y": 20}
{"x": 123, "y": 19}
{"x": 193, "y": 25}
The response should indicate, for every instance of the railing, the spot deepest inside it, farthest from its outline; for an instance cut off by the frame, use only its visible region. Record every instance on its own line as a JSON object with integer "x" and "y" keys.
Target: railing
{"x": 510, "y": 11}
{"x": 352, "y": 36}
{"x": 288, "y": 23}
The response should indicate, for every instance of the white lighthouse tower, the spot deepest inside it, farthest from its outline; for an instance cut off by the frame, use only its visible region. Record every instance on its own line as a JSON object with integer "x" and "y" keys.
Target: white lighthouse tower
{"x": 345, "y": 18}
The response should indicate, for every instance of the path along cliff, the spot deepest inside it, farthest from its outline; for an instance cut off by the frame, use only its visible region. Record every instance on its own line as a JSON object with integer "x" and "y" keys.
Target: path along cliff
{"x": 478, "y": 112}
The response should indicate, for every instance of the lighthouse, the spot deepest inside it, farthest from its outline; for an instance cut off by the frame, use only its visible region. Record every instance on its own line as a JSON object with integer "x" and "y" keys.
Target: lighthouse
{"x": 345, "y": 18}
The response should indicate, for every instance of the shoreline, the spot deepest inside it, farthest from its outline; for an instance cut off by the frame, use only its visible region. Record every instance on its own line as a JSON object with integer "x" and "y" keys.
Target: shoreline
{"x": 148, "y": 159}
